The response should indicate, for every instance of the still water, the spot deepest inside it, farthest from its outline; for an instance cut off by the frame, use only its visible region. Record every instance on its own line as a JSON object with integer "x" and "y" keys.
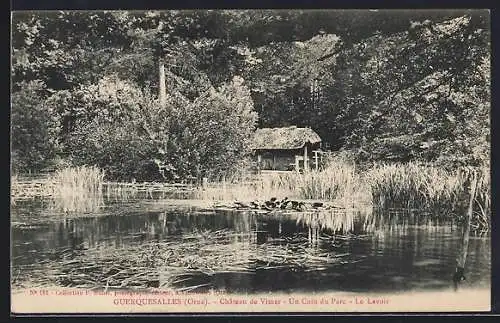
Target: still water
{"x": 142, "y": 244}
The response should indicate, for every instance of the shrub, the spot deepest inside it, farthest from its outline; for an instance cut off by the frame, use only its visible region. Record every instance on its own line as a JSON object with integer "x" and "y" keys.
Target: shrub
{"x": 34, "y": 128}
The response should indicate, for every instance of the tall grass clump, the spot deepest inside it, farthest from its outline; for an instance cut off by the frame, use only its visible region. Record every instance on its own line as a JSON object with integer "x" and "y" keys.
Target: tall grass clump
{"x": 78, "y": 188}
{"x": 482, "y": 201}
{"x": 426, "y": 187}
{"x": 339, "y": 181}
{"x": 411, "y": 185}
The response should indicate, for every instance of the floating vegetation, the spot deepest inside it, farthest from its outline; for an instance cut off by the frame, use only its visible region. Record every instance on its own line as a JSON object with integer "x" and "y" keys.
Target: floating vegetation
{"x": 166, "y": 264}
{"x": 338, "y": 182}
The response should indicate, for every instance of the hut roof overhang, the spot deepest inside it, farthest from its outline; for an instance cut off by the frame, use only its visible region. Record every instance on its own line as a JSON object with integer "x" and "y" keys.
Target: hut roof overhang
{"x": 283, "y": 138}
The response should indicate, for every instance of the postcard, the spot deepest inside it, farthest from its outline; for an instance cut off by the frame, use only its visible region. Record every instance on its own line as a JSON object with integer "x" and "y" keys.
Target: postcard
{"x": 223, "y": 161}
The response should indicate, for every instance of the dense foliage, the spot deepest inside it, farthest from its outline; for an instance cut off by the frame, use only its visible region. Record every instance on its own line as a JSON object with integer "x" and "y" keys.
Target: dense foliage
{"x": 382, "y": 85}
{"x": 35, "y": 128}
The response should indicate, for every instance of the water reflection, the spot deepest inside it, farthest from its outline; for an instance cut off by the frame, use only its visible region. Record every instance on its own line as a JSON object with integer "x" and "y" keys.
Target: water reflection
{"x": 243, "y": 251}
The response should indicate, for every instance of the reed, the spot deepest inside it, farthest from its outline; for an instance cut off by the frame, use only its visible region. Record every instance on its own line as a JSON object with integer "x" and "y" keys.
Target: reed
{"x": 338, "y": 182}
{"x": 411, "y": 186}
{"x": 482, "y": 201}
{"x": 430, "y": 188}
{"x": 424, "y": 187}
{"x": 77, "y": 189}
{"x": 260, "y": 187}
{"x": 82, "y": 179}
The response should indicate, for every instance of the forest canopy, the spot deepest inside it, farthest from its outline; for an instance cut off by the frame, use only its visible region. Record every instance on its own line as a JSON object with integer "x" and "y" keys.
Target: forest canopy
{"x": 381, "y": 85}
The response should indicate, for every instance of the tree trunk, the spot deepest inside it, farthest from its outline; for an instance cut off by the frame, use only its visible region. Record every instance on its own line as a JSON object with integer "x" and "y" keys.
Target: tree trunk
{"x": 459, "y": 274}
{"x": 162, "y": 86}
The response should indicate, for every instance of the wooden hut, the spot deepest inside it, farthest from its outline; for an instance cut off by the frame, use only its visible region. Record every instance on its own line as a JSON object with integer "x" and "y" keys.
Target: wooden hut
{"x": 285, "y": 149}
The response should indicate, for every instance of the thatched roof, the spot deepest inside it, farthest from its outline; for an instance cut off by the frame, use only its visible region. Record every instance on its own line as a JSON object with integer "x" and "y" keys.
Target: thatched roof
{"x": 284, "y": 138}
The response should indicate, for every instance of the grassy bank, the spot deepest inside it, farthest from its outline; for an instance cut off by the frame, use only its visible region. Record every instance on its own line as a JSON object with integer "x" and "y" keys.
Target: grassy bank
{"x": 431, "y": 189}
{"x": 338, "y": 182}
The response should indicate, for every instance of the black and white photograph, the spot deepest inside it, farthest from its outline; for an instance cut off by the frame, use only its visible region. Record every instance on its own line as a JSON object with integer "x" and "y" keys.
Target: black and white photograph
{"x": 257, "y": 160}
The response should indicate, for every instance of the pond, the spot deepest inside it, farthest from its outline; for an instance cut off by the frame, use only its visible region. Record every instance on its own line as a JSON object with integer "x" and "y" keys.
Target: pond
{"x": 145, "y": 244}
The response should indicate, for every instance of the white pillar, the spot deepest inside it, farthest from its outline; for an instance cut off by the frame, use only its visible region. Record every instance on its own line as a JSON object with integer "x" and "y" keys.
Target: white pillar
{"x": 306, "y": 166}
{"x": 162, "y": 95}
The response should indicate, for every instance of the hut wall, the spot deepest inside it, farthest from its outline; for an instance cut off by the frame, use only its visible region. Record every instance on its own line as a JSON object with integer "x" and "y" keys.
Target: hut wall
{"x": 278, "y": 159}
{"x": 283, "y": 159}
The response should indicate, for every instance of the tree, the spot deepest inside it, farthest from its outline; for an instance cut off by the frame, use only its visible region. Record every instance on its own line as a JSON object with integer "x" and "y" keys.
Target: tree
{"x": 34, "y": 128}
{"x": 350, "y": 75}
{"x": 423, "y": 77}
{"x": 210, "y": 136}
{"x": 64, "y": 48}
{"x": 115, "y": 126}
{"x": 127, "y": 132}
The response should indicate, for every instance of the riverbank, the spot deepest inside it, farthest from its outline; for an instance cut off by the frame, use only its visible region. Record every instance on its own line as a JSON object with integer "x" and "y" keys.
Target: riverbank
{"x": 431, "y": 189}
